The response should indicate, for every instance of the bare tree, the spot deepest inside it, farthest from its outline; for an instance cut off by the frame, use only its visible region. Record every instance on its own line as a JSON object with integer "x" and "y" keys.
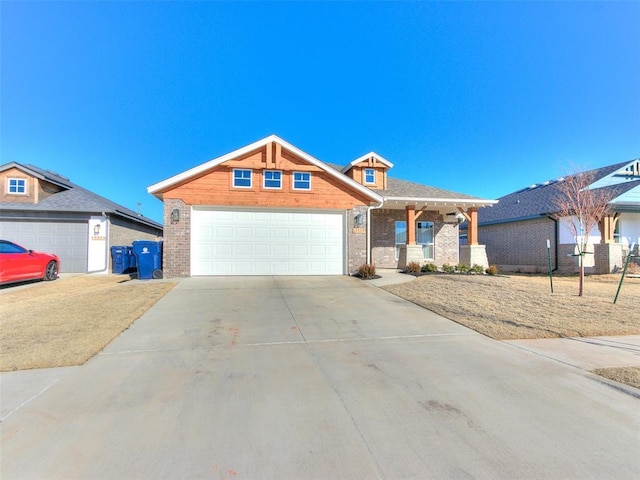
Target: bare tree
{"x": 580, "y": 209}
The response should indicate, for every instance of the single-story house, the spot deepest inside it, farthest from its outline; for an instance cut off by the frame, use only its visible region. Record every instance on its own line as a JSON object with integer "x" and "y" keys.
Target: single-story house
{"x": 270, "y": 208}
{"x": 45, "y": 211}
{"x": 516, "y": 230}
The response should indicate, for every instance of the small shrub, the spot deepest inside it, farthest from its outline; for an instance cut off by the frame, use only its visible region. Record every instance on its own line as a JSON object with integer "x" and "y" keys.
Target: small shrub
{"x": 462, "y": 268}
{"x": 477, "y": 269}
{"x": 429, "y": 267}
{"x": 367, "y": 271}
{"x": 492, "y": 270}
{"x": 446, "y": 268}
{"x": 413, "y": 267}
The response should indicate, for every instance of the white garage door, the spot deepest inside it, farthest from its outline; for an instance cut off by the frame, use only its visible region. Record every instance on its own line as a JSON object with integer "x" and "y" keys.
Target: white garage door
{"x": 266, "y": 242}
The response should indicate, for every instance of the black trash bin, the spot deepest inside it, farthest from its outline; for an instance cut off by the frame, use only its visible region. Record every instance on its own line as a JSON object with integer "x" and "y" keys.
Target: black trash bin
{"x": 148, "y": 256}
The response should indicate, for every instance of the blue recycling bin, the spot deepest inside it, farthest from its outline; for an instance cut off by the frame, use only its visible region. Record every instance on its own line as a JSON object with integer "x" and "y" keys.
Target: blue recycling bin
{"x": 148, "y": 257}
{"x": 122, "y": 259}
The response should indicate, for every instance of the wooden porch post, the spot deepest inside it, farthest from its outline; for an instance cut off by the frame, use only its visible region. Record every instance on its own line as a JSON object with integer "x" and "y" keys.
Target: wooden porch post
{"x": 472, "y": 230}
{"x": 411, "y": 224}
{"x": 607, "y": 227}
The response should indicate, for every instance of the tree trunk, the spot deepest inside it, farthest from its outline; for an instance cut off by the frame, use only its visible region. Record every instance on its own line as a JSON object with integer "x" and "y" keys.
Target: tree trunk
{"x": 581, "y": 276}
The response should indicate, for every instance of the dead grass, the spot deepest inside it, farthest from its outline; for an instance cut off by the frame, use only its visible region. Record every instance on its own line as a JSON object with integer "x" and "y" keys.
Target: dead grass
{"x": 628, "y": 375}
{"x": 522, "y": 306}
{"x": 68, "y": 321}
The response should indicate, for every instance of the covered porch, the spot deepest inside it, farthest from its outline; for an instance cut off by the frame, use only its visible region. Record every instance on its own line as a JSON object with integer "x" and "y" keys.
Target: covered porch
{"x": 426, "y": 230}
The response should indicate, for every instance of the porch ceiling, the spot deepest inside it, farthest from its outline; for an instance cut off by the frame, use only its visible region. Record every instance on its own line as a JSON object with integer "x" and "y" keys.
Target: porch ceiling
{"x": 442, "y": 205}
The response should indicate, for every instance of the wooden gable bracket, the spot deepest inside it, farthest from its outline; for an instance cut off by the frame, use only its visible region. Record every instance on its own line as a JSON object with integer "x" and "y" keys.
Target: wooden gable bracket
{"x": 273, "y": 154}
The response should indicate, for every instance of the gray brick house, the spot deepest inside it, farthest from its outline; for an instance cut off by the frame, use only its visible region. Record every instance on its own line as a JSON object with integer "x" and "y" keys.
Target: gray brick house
{"x": 45, "y": 211}
{"x": 270, "y": 208}
{"x": 516, "y": 230}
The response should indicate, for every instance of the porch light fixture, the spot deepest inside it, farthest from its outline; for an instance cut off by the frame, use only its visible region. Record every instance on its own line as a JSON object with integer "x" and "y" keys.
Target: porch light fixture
{"x": 358, "y": 220}
{"x": 175, "y": 216}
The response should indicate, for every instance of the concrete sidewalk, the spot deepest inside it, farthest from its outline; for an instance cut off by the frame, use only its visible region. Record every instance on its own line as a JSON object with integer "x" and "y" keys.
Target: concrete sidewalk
{"x": 586, "y": 353}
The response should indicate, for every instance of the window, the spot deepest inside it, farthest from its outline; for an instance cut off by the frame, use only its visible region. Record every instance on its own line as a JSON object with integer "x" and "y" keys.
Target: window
{"x": 17, "y": 186}
{"x": 401, "y": 236}
{"x": 241, "y": 178}
{"x": 272, "y": 179}
{"x": 369, "y": 176}
{"x": 424, "y": 237}
{"x": 301, "y": 181}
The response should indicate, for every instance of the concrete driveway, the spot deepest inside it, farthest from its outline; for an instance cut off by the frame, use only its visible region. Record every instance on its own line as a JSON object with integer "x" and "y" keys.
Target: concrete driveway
{"x": 317, "y": 378}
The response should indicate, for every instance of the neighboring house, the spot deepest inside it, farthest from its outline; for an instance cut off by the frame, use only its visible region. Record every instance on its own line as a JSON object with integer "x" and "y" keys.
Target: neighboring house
{"x": 516, "y": 230}
{"x": 42, "y": 210}
{"x": 271, "y": 209}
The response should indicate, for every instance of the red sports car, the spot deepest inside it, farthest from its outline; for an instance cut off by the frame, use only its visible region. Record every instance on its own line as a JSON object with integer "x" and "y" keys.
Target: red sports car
{"x": 17, "y": 264}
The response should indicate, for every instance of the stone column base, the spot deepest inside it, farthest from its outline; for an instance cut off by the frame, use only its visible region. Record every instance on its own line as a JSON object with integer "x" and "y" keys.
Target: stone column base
{"x": 608, "y": 257}
{"x": 472, "y": 255}
{"x": 408, "y": 254}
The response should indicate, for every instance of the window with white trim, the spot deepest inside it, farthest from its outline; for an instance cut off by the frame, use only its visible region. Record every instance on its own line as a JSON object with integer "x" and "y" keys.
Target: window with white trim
{"x": 272, "y": 179}
{"x": 301, "y": 180}
{"x": 241, "y": 178}
{"x": 369, "y": 176}
{"x": 17, "y": 186}
{"x": 424, "y": 237}
{"x": 400, "y": 235}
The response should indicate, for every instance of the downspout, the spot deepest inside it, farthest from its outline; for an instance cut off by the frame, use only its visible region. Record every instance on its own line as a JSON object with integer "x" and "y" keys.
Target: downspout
{"x": 369, "y": 208}
{"x": 556, "y": 232}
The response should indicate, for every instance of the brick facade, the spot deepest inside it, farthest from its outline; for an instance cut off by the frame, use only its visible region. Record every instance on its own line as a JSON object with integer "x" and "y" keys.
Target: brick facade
{"x": 520, "y": 246}
{"x": 356, "y": 239}
{"x": 177, "y": 240}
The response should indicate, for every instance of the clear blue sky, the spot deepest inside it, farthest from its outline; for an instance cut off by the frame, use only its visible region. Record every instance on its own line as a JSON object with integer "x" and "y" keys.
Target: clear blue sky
{"x": 481, "y": 98}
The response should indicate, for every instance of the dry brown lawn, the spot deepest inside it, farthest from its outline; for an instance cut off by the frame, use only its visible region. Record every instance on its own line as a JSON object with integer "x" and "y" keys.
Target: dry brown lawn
{"x": 69, "y": 320}
{"x": 628, "y": 375}
{"x": 522, "y": 306}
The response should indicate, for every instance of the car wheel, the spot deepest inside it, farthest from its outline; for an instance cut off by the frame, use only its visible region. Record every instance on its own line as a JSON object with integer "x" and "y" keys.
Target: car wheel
{"x": 51, "y": 272}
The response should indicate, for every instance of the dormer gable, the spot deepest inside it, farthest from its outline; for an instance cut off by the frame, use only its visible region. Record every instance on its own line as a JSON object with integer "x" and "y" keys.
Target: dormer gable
{"x": 26, "y": 184}
{"x": 369, "y": 170}
{"x": 625, "y": 172}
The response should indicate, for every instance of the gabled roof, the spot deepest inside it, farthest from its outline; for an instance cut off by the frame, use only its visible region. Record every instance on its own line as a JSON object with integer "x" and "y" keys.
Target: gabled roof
{"x": 537, "y": 200}
{"x": 398, "y": 192}
{"x": 157, "y": 188}
{"x": 73, "y": 198}
{"x": 367, "y": 156}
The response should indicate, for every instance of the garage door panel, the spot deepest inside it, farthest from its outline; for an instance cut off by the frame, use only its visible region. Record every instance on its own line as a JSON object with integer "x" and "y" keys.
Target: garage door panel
{"x": 67, "y": 239}
{"x": 266, "y": 242}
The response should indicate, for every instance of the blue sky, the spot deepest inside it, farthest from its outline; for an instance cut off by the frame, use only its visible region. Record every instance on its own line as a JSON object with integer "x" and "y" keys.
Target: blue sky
{"x": 481, "y": 98}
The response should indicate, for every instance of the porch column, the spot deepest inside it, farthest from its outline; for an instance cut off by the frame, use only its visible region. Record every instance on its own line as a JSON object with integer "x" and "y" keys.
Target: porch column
{"x": 607, "y": 226}
{"x": 471, "y": 215}
{"x": 411, "y": 224}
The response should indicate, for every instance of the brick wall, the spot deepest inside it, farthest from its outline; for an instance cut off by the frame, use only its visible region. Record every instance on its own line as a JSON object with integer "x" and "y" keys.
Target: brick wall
{"x": 519, "y": 246}
{"x": 177, "y": 240}
{"x": 356, "y": 239}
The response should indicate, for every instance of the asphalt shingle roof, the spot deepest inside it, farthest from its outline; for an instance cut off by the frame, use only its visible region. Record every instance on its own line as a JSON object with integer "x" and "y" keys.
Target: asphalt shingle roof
{"x": 74, "y": 199}
{"x": 539, "y": 199}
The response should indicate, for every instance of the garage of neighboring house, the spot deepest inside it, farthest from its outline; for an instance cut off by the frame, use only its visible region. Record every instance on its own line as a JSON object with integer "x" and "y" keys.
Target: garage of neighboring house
{"x": 45, "y": 211}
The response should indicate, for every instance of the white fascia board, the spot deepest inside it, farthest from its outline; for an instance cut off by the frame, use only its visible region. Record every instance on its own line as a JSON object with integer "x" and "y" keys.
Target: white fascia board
{"x": 186, "y": 175}
{"x": 479, "y": 202}
{"x": 192, "y": 172}
{"x": 364, "y": 157}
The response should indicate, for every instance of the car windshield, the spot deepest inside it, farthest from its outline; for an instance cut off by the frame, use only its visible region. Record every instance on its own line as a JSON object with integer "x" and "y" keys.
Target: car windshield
{"x": 6, "y": 247}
